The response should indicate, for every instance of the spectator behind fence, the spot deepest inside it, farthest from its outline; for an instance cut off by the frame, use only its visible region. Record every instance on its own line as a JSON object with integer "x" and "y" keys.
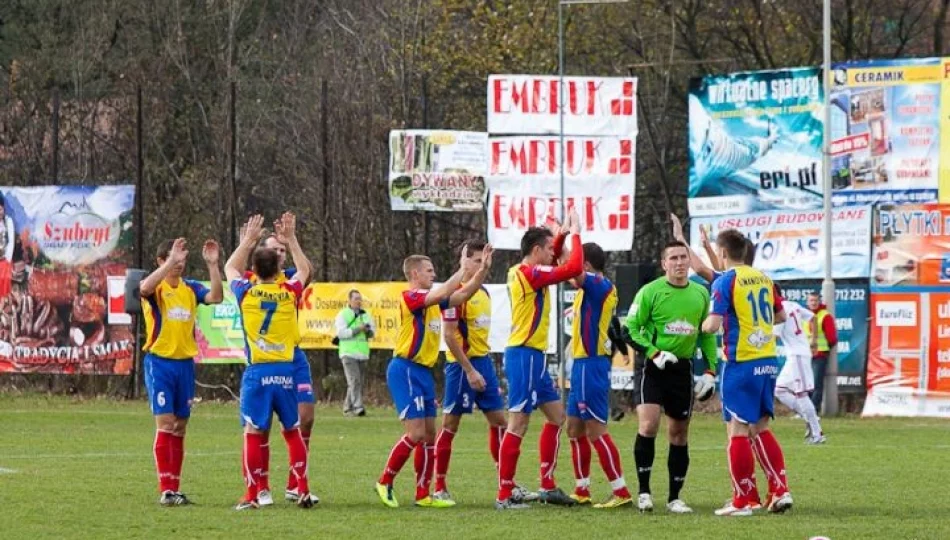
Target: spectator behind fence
{"x": 824, "y": 337}
{"x": 354, "y": 328}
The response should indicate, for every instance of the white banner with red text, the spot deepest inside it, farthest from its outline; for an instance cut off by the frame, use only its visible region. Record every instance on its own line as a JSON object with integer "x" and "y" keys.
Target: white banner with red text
{"x": 519, "y": 104}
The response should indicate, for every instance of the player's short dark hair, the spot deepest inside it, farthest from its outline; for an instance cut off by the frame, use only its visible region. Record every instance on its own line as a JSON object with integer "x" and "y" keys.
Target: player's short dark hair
{"x": 595, "y": 255}
{"x": 534, "y": 236}
{"x": 266, "y": 263}
{"x": 734, "y": 242}
{"x": 164, "y": 249}
{"x": 750, "y": 249}
{"x": 474, "y": 246}
{"x": 672, "y": 244}
{"x": 351, "y": 293}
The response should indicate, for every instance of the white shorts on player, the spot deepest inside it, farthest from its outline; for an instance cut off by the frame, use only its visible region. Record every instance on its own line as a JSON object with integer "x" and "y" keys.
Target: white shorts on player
{"x": 796, "y": 376}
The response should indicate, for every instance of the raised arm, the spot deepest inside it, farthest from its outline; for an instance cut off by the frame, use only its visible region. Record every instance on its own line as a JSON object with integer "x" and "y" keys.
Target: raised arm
{"x": 211, "y": 253}
{"x": 460, "y": 296}
{"x": 288, "y": 230}
{"x": 177, "y": 255}
{"x": 237, "y": 262}
{"x": 695, "y": 261}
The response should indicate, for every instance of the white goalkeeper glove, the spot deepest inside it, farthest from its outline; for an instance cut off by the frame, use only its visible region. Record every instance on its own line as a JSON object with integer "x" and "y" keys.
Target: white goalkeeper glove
{"x": 662, "y": 358}
{"x": 705, "y": 387}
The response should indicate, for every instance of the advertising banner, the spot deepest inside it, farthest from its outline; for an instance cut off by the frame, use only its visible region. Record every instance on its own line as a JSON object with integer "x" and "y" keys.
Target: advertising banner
{"x": 524, "y": 187}
{"x": 64, "y": 252}
{"x": 522, "y": 104}
{"x": 755, "y": 142}
{"x": 789, "y": 243}
{"x": 437, "y": 171}
{"x": 909, "y": 355}
{"x": 886, "y": 122}
{"x": 851, "y": 322}
{"x": 908, "y": 370}
{"x": 218, "y": 332}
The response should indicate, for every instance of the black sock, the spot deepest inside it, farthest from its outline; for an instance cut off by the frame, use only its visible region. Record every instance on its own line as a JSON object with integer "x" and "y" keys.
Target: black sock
{"x": 678, "y": 464}
{"x": 643, "y": 450}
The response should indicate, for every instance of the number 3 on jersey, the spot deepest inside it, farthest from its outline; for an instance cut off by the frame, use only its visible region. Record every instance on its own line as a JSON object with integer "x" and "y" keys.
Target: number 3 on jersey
{"x": 762, "y": 308}
{"x": 270, "y": 308}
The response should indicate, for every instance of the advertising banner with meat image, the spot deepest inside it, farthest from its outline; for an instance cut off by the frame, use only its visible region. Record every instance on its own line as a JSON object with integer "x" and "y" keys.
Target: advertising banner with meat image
{"x": 60, "y": 245}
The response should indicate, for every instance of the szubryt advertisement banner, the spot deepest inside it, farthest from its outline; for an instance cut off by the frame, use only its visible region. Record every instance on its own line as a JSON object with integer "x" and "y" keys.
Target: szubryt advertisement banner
{"x": 529, "y": 104}
{"x": 886, "y": 122}
{"x": 441, "y": 171}
{"x": 64, "y": 253}
{"x": 789, "y": 244}
{"x": 524, "y": 187}
{"x": 755, "y": 142}
{"x": 851, "y": 322}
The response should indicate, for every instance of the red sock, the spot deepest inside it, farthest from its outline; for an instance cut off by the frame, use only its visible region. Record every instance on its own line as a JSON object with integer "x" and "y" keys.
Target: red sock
{"x": 297, "y": 450}
{"x": 549, "y": 442}
{"x": 443, "y": 453}
{"x": 508, "y": 464}
{"x": 397, "y": 458}
{"x": 495, "y": 434}
{"x": 742, "y": 470}
{"x": 177, "y": 458}
{"x": 754, "y": 495}
{"x": 291, "y": 478}
{"x": 772, "y": 462}
{"x": 265, "y": 457}
{"x": 425, "y": 466}
{"x": 610, "y": 462}
{"x": 580, "y": 458}
{"x": 163, "y": 466}
{"x": 253, "y": 464}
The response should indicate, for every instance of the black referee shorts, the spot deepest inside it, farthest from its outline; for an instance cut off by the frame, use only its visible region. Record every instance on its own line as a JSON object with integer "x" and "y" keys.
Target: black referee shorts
{"x": 670, "y": 388}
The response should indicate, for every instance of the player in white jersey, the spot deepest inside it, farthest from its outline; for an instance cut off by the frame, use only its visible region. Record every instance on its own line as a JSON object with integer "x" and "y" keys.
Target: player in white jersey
{"x": 796, "y": 379}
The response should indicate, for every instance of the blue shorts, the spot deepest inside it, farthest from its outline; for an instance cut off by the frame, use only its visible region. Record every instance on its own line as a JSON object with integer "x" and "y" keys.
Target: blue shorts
{"x": 303, "y": 381}
{"x": 590, "y": 389}
{"x": 412, "y": 388}
{"x": 267, "y": 389}
{"x": 459, "y": 396}
{"x": 748, "y": 390}
{"x": 529, "y": 384}
{"x": 170, "y": 384}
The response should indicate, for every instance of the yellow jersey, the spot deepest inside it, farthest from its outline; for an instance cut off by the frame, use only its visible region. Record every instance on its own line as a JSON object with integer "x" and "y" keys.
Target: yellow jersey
{"x": 169, "y": 314}
{"x": 420, "y": 329}
{"x": 747, "y": 301}
{"x": 269, "y": 318}
{"x": 474, "y": 322}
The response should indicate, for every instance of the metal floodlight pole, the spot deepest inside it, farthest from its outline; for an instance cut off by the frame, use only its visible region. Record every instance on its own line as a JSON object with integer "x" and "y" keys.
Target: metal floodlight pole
{"x": 562, "y": 366}
{"x": 830, "y": 401}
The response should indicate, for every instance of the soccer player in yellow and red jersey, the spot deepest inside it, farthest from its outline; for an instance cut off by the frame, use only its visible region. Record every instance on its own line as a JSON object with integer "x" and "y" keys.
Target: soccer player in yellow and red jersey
{"x": 303, "y": 381}
{"x": 470, "y": 377}
{"x": 409, "y": 375}
{"x": 529, "y": 384}
{"x": 269, "y": 320}
{"x": 588, "y": 405}
{"x": 745, "y": 306}
{"x": 169, "y": 306}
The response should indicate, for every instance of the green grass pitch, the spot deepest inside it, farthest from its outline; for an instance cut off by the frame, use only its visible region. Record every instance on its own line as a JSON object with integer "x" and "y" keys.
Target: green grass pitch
{"x": 71, "y": 469}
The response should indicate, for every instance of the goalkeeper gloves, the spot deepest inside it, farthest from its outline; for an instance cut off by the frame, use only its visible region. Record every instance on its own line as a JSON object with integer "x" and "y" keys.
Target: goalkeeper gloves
{"x": 662, "y": 358}
{"x": 705, "y": 387}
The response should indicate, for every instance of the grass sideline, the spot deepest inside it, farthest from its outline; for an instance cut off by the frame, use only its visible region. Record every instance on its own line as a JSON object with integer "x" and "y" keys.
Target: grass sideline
{"x": 84, "y": 469}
